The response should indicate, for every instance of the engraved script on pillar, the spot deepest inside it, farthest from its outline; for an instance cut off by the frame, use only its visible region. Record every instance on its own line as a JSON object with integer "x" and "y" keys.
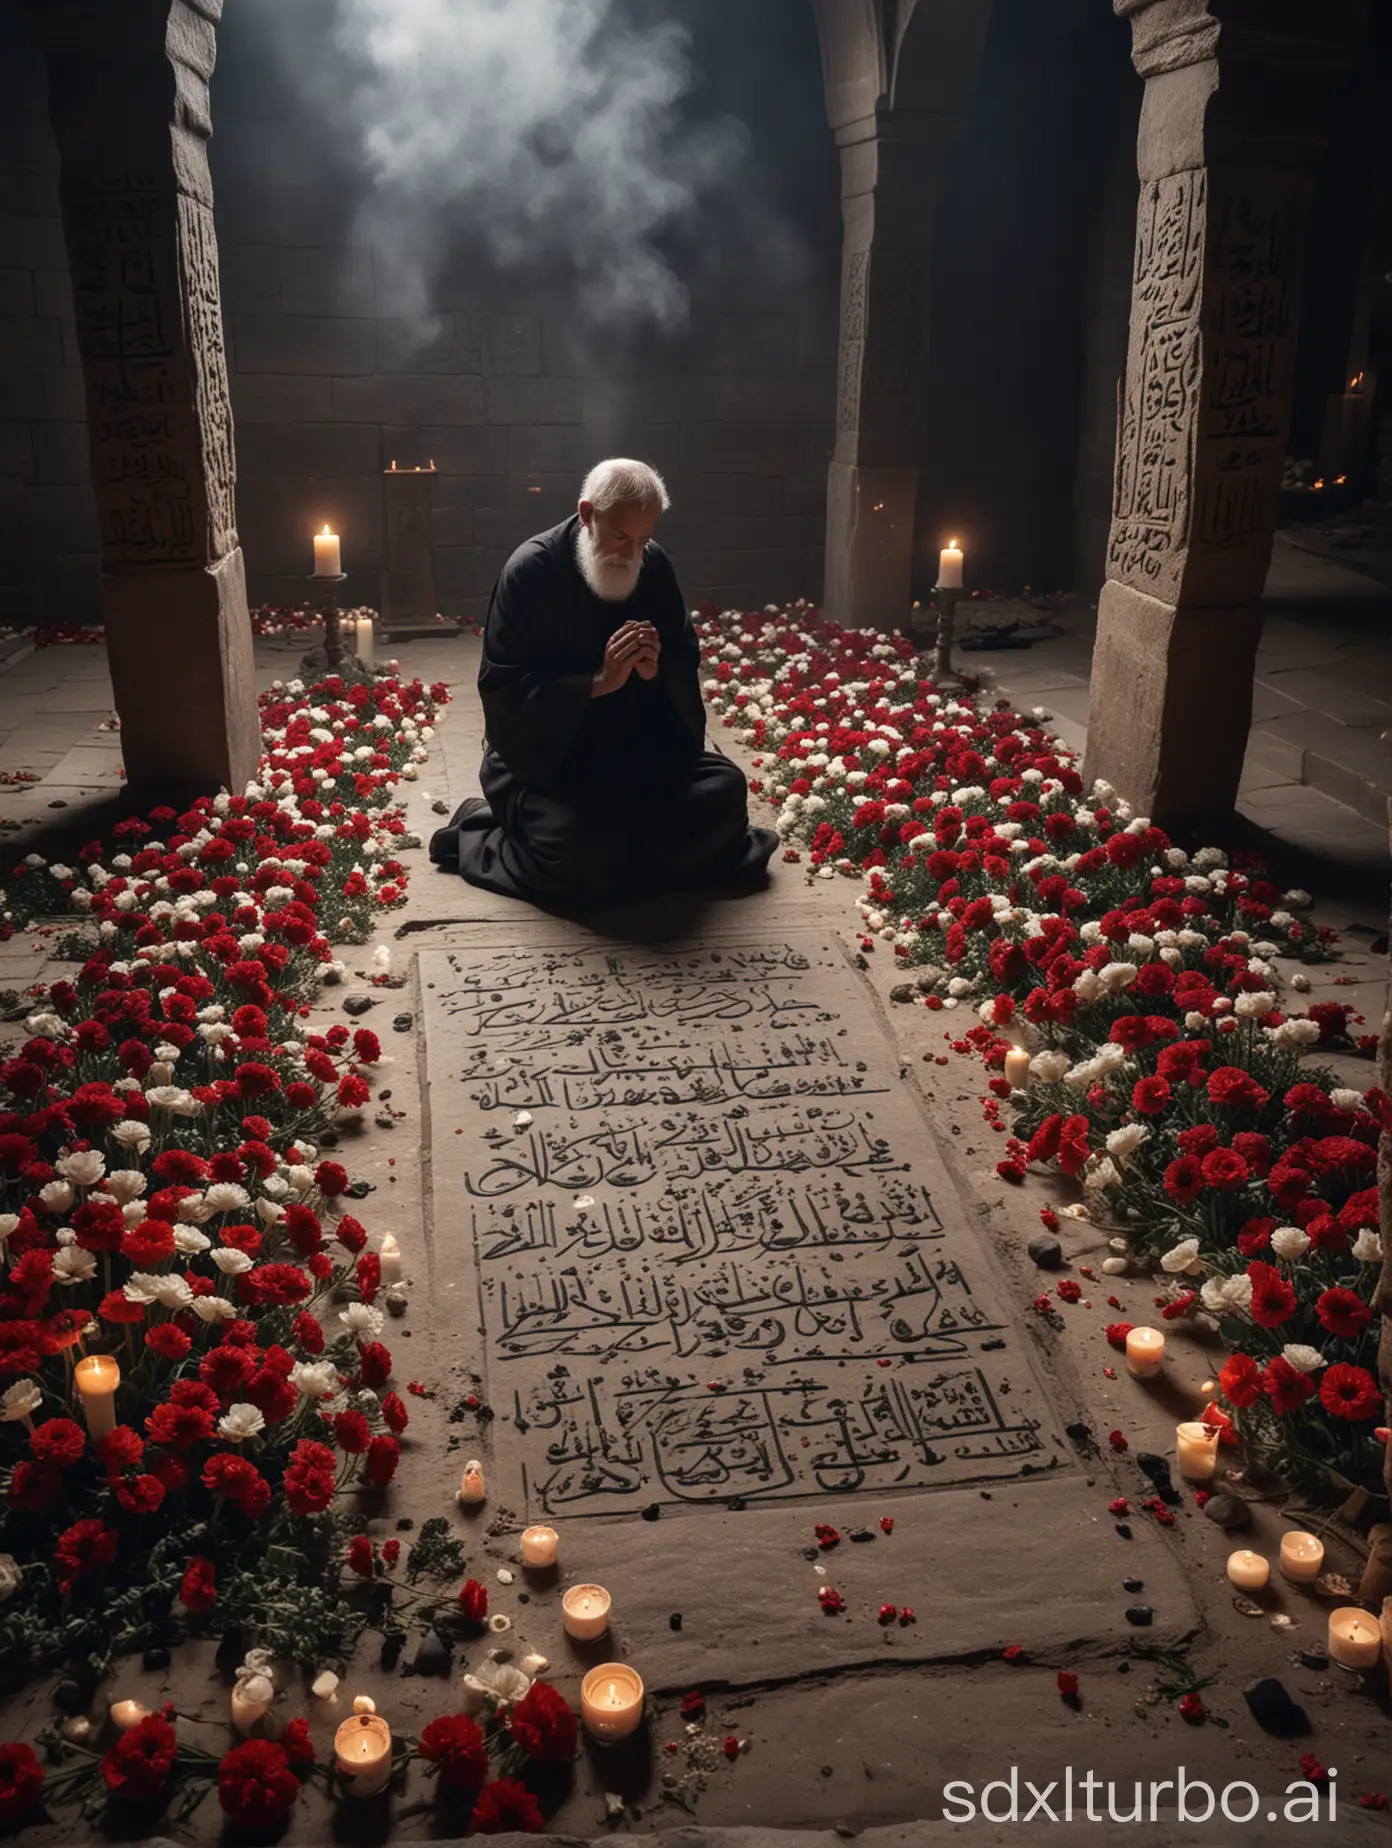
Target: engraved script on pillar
{"x": 202, "y": 296}
{"x": 852, "y": 356}
{"x": 145, "y": 455}
{"x": 1155, "y": 445}
{"x": 745, "y": 1217}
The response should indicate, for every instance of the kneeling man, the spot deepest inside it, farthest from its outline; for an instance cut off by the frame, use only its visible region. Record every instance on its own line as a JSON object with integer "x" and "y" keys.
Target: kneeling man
{"x": 596, "y": 780}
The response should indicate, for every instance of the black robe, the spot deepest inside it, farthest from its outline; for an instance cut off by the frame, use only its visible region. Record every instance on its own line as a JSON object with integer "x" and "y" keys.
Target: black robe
{"x": 589, "y": 800}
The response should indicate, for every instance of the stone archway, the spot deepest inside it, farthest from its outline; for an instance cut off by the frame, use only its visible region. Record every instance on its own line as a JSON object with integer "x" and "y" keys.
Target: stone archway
{"x": 897, "y": 74}
{"x": 128, "y": 97}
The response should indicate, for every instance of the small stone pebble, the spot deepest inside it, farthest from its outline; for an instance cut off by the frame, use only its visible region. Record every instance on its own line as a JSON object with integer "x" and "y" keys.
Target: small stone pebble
{"x": 1046, "y": 1251}
{"x": 1115, "y": 1267}
{"x": 155, "y": 1658}
{"x": 504, "y": 1576}
{"x": 358, "y": 1004}
{"x": 1124, "y": 1529}
{"x": 1139, "y": 1614}
{"x": 675, "y": 1620}
{"x": 403, "y": 1023}
{"x": 1229, "y": 1511}
{"x": 1133, "y": 1584}
{"x": 653, "y": 1511}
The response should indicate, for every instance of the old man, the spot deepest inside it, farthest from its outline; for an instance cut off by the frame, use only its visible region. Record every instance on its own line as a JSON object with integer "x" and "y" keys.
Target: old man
{"x": 596, "y": 781}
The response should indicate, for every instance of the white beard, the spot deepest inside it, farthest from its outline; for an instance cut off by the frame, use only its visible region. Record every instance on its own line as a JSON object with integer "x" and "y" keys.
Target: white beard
{"x": 611, "y": 580}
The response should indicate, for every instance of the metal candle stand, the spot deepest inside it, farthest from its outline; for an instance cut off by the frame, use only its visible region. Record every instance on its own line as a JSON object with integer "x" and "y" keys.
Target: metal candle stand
{"x": 331, "y": 657}
{"x": 946, "y": 599}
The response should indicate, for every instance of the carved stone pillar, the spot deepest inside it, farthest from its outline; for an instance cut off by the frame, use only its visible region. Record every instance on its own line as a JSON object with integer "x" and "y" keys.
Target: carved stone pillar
{"x": 1232, "y": 126}
{"x": 896, "y": 78}
{"x": 128, "y": 96}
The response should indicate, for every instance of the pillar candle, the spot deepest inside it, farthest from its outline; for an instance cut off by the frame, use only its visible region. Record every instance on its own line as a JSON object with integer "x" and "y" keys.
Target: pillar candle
{"x": 1197, "y": 1449}
{"x": 950, "y": 566}
{"x": 1247, "y": 1570}
{"x": 611, "y": 1701}
{"x": 1354, "y": 1638}
{"x": 539, "y": 1546}
{"x": 251, "y": 1701}
{"x": 1145, "y": 1353}
{"x": 363, "y": 1750}
{"x": 585, "y": 1612}
{"x": 390, "y": 1255}
{"x": 1302, "y": 1558}
{"x": 472, "y": 1488}
{"x": 1017, "y": 1065}
{"x": 366, "y": 642}
{"x": 326, "y": 554}
{"x": 97, "y": 1378}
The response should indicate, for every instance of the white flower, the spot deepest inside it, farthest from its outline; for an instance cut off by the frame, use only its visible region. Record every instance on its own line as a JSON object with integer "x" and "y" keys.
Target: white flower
{"x": 1118, "y": 975}
{"x": 84, "y": 1169}
{"x": 1222, "y": 1294}
{"x": 226, "y": 1197}
{"x": 1303, "y": 1359}
{"x": 1290, "y": 1242}
{"x": 362, "y": 1321}
{"x": 298, "y": 1178}
{"x": 9, "y": 1222}
{"x": 1049, "y": 1067}
{"x": 1126, "y": 1140}
{"x": 169, "y": 1292}
{"x": 190, "y": 1241}
{"x": 240, "y": 1421}
{"x": 173, "y": 1098}
{"x": 1346, "y": 1100}
{"x": 57, "y": 1196}
{"x": 126, "y": 1184}
{"x": 11, "y": 1576}
{"x": 268, "y": 1212}
{"x": 1183, "y": 1257}
{"x": 1101, "y": 1174}
{"x": 21, "y": 1400}
{"x": 231, "y": 1262}
{"x": 74, "y": 1265}
{"x": 214, "y": 1309}
{"x": 315, "y": 1379}
{"x": 1367, "y": 1247}
{"x": 1254, "y": 1006}
{"x": 495, "y": 1683}
{"x": 131, "y": 1134}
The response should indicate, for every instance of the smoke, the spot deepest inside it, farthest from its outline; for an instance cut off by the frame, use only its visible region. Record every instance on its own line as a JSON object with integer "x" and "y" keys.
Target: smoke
{"x": 544, "y": 133}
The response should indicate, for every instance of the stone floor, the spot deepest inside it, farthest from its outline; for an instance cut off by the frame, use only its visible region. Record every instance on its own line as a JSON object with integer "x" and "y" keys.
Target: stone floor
{"x": 721, "y": 1078}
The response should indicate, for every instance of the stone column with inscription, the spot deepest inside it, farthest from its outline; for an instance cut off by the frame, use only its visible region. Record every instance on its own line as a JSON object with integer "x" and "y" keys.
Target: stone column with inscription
{"x": 896, "y": 82}
{"x": 1232, "y": 125}
{"x": 128, "y": 96}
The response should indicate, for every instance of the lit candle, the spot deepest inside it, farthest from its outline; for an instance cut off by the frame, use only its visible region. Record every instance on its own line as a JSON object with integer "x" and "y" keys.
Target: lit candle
{"x": 128, "y": 1713}
{"x": 390, "y": 1255}
{"x": 1197, "y": 1448}
{"x": 585, "y": 1612}
{"x": 1302, "y": 1558}
{"x": 1248, "y": 1570}
{"x": 1017, "y": 1065}
{"x": 251, "y": 1701}
{"x": 1354, "y": 1638}
{"x": 97, "y": 1378}
{"x": 1145, "y": 1353}
{"x": 539, "y": 1546}
{"x": 366, "y": 641}
{"x": 326, "y": 554}
{"x": 363, "y": 1750}
{"x": 611, "y": 1701}
{"x": 950, "y": 566}
{"x": 472, "y": 1487}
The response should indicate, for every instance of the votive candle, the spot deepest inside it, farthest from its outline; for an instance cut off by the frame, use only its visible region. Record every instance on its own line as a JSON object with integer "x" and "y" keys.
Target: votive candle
{"x": 1017, "y": 1068}
{"x": 539, "y": 1546}
{"x": 585, "y": 1612}
{"x": 97, "y": 1378}
{"x": 1354, "y": 1638}
{"x": 1145, "y": 1353}
{"x": 611, "y": 1700}
{"x": 390, "y": 1256}
{"x": 472, "y": 1488}
{"x": 1247, "y": 1570}
{"x": 1302, "y": 1558}
{"x": 128, "y": 1713}
{"x": 363, "y": 1750}
{"x": 1196, "y": 1446}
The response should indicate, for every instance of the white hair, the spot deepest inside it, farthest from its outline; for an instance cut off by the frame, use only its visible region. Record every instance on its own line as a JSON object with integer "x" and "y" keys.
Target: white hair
{"x": 622, "y": 482}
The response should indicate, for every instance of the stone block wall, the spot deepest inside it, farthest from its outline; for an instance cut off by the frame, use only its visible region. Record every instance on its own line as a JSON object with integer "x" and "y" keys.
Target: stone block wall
{"x": 330, "y": 384}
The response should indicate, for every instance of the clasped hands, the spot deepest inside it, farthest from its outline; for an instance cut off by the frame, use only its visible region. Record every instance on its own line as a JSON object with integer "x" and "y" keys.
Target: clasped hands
{"x": 633, "y": 648}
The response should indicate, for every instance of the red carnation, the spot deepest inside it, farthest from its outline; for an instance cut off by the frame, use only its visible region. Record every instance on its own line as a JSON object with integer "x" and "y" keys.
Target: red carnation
{"x": 1224, "y": 1168}
{"x": 383, "y": 1455}
{"x": 454, "y": 1745}
{"x": 1286, "y": 1386}
{"x": 352, "y": 1433}
{"x": 168, "y": 1341}
{"x": 1343, "y": 1312}
{"x": 297, "y": 1744}
{"x": 309, "y": 1477}
{"x": 543, "y": 1725}
{"x": 1240, "y": 1380}
{"x": 21, "y": 1781}
{"x": 85, "y": 1547}
{"x": 1184, "y": 1179}
{"x": 256, "y": 1786}
{"x": 331, "y": 1178}
{"x": 198, "y": 1592}
{"x": 1150, "y": 1095}
{"x": 139, "y": 1763}
{"x": 359, "y": 1557}
{"x": 1067, "y": 1684}
{"x": 58, "y": 1441}
{"x": 1273, "y": 1299}
{"x": 473, "y": 1601}
{"x": 502, "y": 1805}
{"x": 1350, "y": 1392}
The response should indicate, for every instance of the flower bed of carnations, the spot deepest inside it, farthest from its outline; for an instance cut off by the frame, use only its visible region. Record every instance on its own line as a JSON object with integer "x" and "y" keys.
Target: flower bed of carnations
{"x": 1172, "y": 1079}
{"x": 167, "y": 1202}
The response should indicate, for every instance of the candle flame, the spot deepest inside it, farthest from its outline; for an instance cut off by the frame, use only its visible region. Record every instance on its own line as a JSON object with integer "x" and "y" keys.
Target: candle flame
{"x": 326, "y": 526}
{"x": 1339, "y": 480}
{"x": 1356, "y": 382}
{"x": 1319, "y": 481}
{"x": 952, "y": 545}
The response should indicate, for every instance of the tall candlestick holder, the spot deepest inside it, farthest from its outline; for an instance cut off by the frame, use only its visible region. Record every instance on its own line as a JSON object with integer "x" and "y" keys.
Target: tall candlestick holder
{"x": 945, "y": 600}
{"x": 331, "y": 657}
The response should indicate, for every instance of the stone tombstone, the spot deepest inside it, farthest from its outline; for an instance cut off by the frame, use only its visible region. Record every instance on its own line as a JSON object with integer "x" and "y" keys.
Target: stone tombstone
{"x": 408, "y": 570}
{"x": 128, "y": 96}
{"x": 1232, "y": 126}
